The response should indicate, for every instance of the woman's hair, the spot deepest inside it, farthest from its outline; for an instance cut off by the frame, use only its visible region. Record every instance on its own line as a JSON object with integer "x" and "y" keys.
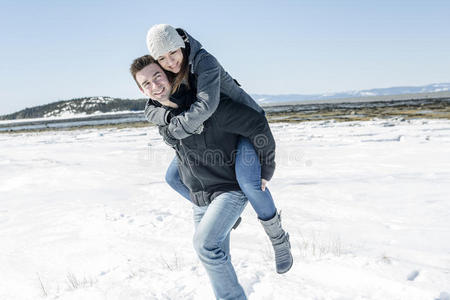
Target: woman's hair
{"x": 181, "y": 77}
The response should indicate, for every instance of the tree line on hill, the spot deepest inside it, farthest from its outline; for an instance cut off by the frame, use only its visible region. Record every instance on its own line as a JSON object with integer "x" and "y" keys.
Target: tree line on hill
{"x": 88, "y": 105}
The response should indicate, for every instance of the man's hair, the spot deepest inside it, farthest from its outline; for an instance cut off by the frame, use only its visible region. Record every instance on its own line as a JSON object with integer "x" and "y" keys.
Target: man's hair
{"x": 139, "y": 64}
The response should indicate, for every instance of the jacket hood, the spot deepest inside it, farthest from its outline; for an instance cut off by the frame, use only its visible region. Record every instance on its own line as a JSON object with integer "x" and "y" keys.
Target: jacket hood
{"x": 194, "y": 45}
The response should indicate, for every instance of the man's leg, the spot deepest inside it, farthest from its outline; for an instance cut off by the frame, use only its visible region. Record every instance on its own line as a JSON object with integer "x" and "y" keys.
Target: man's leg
{"x": 211, "y": 233}
{"x": 198, "y": 215}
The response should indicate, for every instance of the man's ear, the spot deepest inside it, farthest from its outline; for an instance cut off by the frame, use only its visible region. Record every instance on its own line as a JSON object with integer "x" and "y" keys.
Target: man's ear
{"x": 142, "y": 91}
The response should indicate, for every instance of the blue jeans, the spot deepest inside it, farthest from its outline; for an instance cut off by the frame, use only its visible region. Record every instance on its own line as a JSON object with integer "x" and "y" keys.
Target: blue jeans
{"x": 248, "y": 175}
{"x": 213, "y": 224}
{"x": 174, "y": 180}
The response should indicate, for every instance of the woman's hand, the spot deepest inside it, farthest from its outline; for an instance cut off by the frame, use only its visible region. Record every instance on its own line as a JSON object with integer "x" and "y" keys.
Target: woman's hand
{"x": 263, "y": 184}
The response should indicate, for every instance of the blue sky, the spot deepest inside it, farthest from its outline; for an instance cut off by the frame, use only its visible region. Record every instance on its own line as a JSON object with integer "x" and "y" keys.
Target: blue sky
{"x": 58, "y": 50}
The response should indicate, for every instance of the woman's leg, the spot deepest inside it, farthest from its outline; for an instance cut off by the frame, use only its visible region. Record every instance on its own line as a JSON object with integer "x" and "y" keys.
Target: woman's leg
{"x": 248, "y": 174}
{"x": 174, "y": 180}
{"x": 212, "y": 232}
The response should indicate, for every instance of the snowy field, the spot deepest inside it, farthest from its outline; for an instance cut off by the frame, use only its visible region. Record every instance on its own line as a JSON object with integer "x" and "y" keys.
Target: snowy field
{"x": 86, "y": 214}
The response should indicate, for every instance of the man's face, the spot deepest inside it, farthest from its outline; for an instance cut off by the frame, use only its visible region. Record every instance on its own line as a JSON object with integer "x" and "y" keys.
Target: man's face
{"x": 153, "y": 82}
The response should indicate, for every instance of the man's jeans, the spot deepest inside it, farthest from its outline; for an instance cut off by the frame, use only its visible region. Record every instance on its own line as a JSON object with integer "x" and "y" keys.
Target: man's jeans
{"x": 213, "y": 224}
{"x": 248, "y": 175}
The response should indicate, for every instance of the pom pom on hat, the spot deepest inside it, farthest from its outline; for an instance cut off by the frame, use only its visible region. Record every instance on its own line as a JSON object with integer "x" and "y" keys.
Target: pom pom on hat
{"x": 163, "y": 38}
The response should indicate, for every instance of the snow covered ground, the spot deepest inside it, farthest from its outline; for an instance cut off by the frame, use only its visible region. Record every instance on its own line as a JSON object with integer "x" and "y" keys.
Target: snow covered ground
{"x": 87, "y": 215}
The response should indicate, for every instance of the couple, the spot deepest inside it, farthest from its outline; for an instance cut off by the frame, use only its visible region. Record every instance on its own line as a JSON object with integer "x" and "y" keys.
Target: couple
{"x": 225, "y": 151}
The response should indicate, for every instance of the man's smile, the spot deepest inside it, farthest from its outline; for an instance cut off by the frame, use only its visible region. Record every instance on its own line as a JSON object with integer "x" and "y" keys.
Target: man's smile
{"x": 157, "y": 93}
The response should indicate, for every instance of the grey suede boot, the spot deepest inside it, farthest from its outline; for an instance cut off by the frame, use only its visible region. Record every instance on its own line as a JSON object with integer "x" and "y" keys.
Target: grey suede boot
{"x": 280, "y": 243}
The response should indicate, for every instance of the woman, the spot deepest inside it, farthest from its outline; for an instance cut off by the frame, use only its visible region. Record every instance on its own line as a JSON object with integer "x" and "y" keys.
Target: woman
{"x": 177, "y": 52}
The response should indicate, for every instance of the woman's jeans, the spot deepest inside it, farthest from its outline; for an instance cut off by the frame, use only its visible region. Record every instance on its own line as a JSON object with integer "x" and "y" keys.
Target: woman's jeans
{"x": 248, "y": 175}
{"x": 213, "y": 224}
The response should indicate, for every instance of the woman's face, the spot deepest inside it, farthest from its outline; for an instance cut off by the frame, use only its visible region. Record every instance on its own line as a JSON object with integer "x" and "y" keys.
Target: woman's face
{"x": 171, "y": 61}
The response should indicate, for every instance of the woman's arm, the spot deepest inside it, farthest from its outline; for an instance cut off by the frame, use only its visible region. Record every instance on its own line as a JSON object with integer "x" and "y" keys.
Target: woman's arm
{"x": 208, "y": 72}
{"x": 156, "y": 114}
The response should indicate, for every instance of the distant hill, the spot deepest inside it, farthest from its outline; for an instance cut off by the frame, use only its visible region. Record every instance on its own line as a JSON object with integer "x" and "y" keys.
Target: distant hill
{"x": 78, "y": 107}
{"x": 431, "y": 88}
{"x": 97, "y": 105}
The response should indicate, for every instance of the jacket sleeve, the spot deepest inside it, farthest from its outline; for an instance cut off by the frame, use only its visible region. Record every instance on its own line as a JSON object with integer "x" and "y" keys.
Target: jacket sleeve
{"x": 241, "y": 119}
{"x": 208, "y": 72}
{"x": 156, "y": 115}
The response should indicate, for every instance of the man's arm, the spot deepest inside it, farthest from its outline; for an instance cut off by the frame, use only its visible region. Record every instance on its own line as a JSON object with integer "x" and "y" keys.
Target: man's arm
{"x": 208, "y": 98}
{"x": 241, "y": 119}
{"x": 167, "y": 138}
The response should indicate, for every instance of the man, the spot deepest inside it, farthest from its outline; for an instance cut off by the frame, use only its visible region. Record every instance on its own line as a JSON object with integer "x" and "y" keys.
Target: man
{"x": 206, "y": 166}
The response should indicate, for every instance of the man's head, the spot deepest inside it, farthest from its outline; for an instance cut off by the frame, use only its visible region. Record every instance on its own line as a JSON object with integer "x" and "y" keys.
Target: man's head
{"x": 150, "y": 78}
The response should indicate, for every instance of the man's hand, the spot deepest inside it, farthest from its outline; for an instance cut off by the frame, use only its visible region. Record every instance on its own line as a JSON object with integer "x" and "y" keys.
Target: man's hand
{"x": 263, "y": 184}
{"x": 167, "y": 137}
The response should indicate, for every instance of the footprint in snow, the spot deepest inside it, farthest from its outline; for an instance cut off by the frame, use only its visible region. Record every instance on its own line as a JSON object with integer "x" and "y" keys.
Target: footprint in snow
{"x": 413, "y": 275}
{"x": 443, "y": 296}
{"x": 159, "y": 215}
{"x": 249, "y": 283}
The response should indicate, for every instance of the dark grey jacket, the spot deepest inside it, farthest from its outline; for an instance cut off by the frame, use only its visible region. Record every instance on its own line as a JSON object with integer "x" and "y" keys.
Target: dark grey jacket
{"x": 211, "y": 81}
{"x": 207, "y": 160}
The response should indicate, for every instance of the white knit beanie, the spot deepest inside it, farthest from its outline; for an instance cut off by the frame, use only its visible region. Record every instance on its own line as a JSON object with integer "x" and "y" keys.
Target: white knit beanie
{"x": 163, "y": 38}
